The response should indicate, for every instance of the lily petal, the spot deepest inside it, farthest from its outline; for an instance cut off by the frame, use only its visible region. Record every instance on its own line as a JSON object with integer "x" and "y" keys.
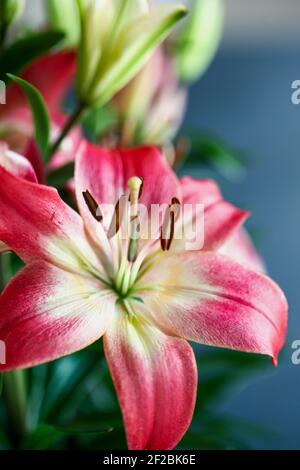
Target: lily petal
{"x": 51, "y": 74}
{"x": 221, "y": 219}
{"x": 156, "y": 380}
{"x": 208, "y": 298}
{"x": 47, "y": 313}
{"x": 105, "y": 174}
{"x": 37, "y": 225}
{"x": 16, "y": 164}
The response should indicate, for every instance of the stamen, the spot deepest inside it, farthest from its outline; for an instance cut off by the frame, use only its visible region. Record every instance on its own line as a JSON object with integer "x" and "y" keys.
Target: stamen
{"x": 165, "y": 230}
{"x": 133, "y": 242}
{"x": 118, "y": 216}
{"x": 168, "y": 227}
{"x": 135, "y": 185}
{"x": 92, "y": 205}
{"x": 175, "y": 207}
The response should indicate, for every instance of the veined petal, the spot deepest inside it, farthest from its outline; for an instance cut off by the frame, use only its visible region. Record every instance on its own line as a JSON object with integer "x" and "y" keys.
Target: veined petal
{"x": 46, "y": 313}
{"x": 16, "y": 164}
{"x": 36, "y": 224}
{"x": 221, "y": 219}
{"x": 208, "y": 298}
{"x": 156, "y": 380}
{"x": 105, "y": 174}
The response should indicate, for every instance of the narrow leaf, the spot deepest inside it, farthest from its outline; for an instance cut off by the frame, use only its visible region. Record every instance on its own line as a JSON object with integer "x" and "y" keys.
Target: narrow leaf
{"x": 39, "y": 114}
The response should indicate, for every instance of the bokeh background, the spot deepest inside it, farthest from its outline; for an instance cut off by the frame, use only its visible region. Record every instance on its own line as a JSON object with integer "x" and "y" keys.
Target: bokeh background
{"x": 245, "y": 99}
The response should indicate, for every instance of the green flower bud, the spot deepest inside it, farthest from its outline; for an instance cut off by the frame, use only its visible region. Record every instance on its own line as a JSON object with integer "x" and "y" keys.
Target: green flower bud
{"x": 10, "y": 10}
{"x": 199, "y": 39}
{"x": 117, "y": 38}
{"x": 63, "y": 16}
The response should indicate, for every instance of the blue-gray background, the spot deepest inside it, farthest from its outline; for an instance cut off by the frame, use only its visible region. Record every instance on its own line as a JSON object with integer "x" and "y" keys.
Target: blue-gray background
{"x": 245, "y": 98}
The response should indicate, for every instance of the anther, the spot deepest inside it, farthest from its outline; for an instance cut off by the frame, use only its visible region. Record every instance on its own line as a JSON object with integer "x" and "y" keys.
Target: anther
{"x": 118, "y": 216}
{"x": 168, "y": 226}
{"x": 135, "y": 185}
{"x": 92, "y": 205}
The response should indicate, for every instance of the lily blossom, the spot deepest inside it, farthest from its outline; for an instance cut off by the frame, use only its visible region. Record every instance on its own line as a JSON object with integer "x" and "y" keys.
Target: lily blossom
{"x": 152, "y": 105}
{"x": 83, "y": 281}
{"x": 17, "y": 165}
{"x": 52, "y": 75}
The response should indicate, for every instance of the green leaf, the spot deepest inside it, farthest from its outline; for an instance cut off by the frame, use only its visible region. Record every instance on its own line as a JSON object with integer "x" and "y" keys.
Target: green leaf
{"x": 85, "y": 426}
{"x": 212, "y": 152}
{"x": 1, "y": 384}
{"x": 60, "y": 176}
{"x": 14, "y": 58}
{"x": 43, "y": 437}
{"x": 97, "y": 121}
{"x": 40, "y": 115}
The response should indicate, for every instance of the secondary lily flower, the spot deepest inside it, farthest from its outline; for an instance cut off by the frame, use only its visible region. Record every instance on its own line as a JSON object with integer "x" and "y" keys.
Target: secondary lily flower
{"x": 152, "y": 105}
{"x": 117, "y": 38}
{"x": 83, "y": 280}
{"x": 52, "y": 75}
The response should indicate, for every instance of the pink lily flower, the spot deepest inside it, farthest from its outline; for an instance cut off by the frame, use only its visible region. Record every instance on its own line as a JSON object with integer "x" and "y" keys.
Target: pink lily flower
{"x": 17, "y": 165}
{"x": 52, "y": 75}
{"x": 81, "y": 282}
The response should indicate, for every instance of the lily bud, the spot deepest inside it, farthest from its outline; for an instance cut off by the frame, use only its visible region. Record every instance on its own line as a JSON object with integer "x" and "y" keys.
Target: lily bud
{"x": 10, "y": 10}
{"x": 199, "y": 38}
{"x": 117, "y": 38}
{"x": 63, "y": 16}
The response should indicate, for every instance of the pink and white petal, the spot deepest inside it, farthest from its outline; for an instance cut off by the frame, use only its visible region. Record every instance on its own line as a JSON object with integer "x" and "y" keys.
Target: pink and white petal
{"x": 221, "y": 219}
{"x": 155, "y": 377}
{"x": 33, "y": 156}
{"x": 105, "y": 174}
{"x": 36, "y": 224}
{"x": 241, "y": 249}
{"x": 47, "y": 313}
{"x": 51, "y": 74}
{"x": 208, "y": 298}
{"x": 206, "y": 192}
{"x": 16, "y": 127}
{"x": 16, "y": 164}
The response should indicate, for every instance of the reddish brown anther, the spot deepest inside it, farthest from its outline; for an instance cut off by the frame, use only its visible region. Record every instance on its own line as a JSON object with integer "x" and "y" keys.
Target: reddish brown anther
{"x": 93, "y": 206}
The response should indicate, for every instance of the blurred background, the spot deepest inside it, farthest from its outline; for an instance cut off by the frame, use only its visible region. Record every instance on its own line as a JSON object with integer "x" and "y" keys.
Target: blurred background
{"x": 245, "y": 100}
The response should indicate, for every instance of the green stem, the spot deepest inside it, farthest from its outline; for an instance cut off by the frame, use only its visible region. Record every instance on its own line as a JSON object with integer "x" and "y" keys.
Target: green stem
{"x": 15, "y": 396}
{"x": 14, "y": 386}
{"x": 74, "y": 118}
